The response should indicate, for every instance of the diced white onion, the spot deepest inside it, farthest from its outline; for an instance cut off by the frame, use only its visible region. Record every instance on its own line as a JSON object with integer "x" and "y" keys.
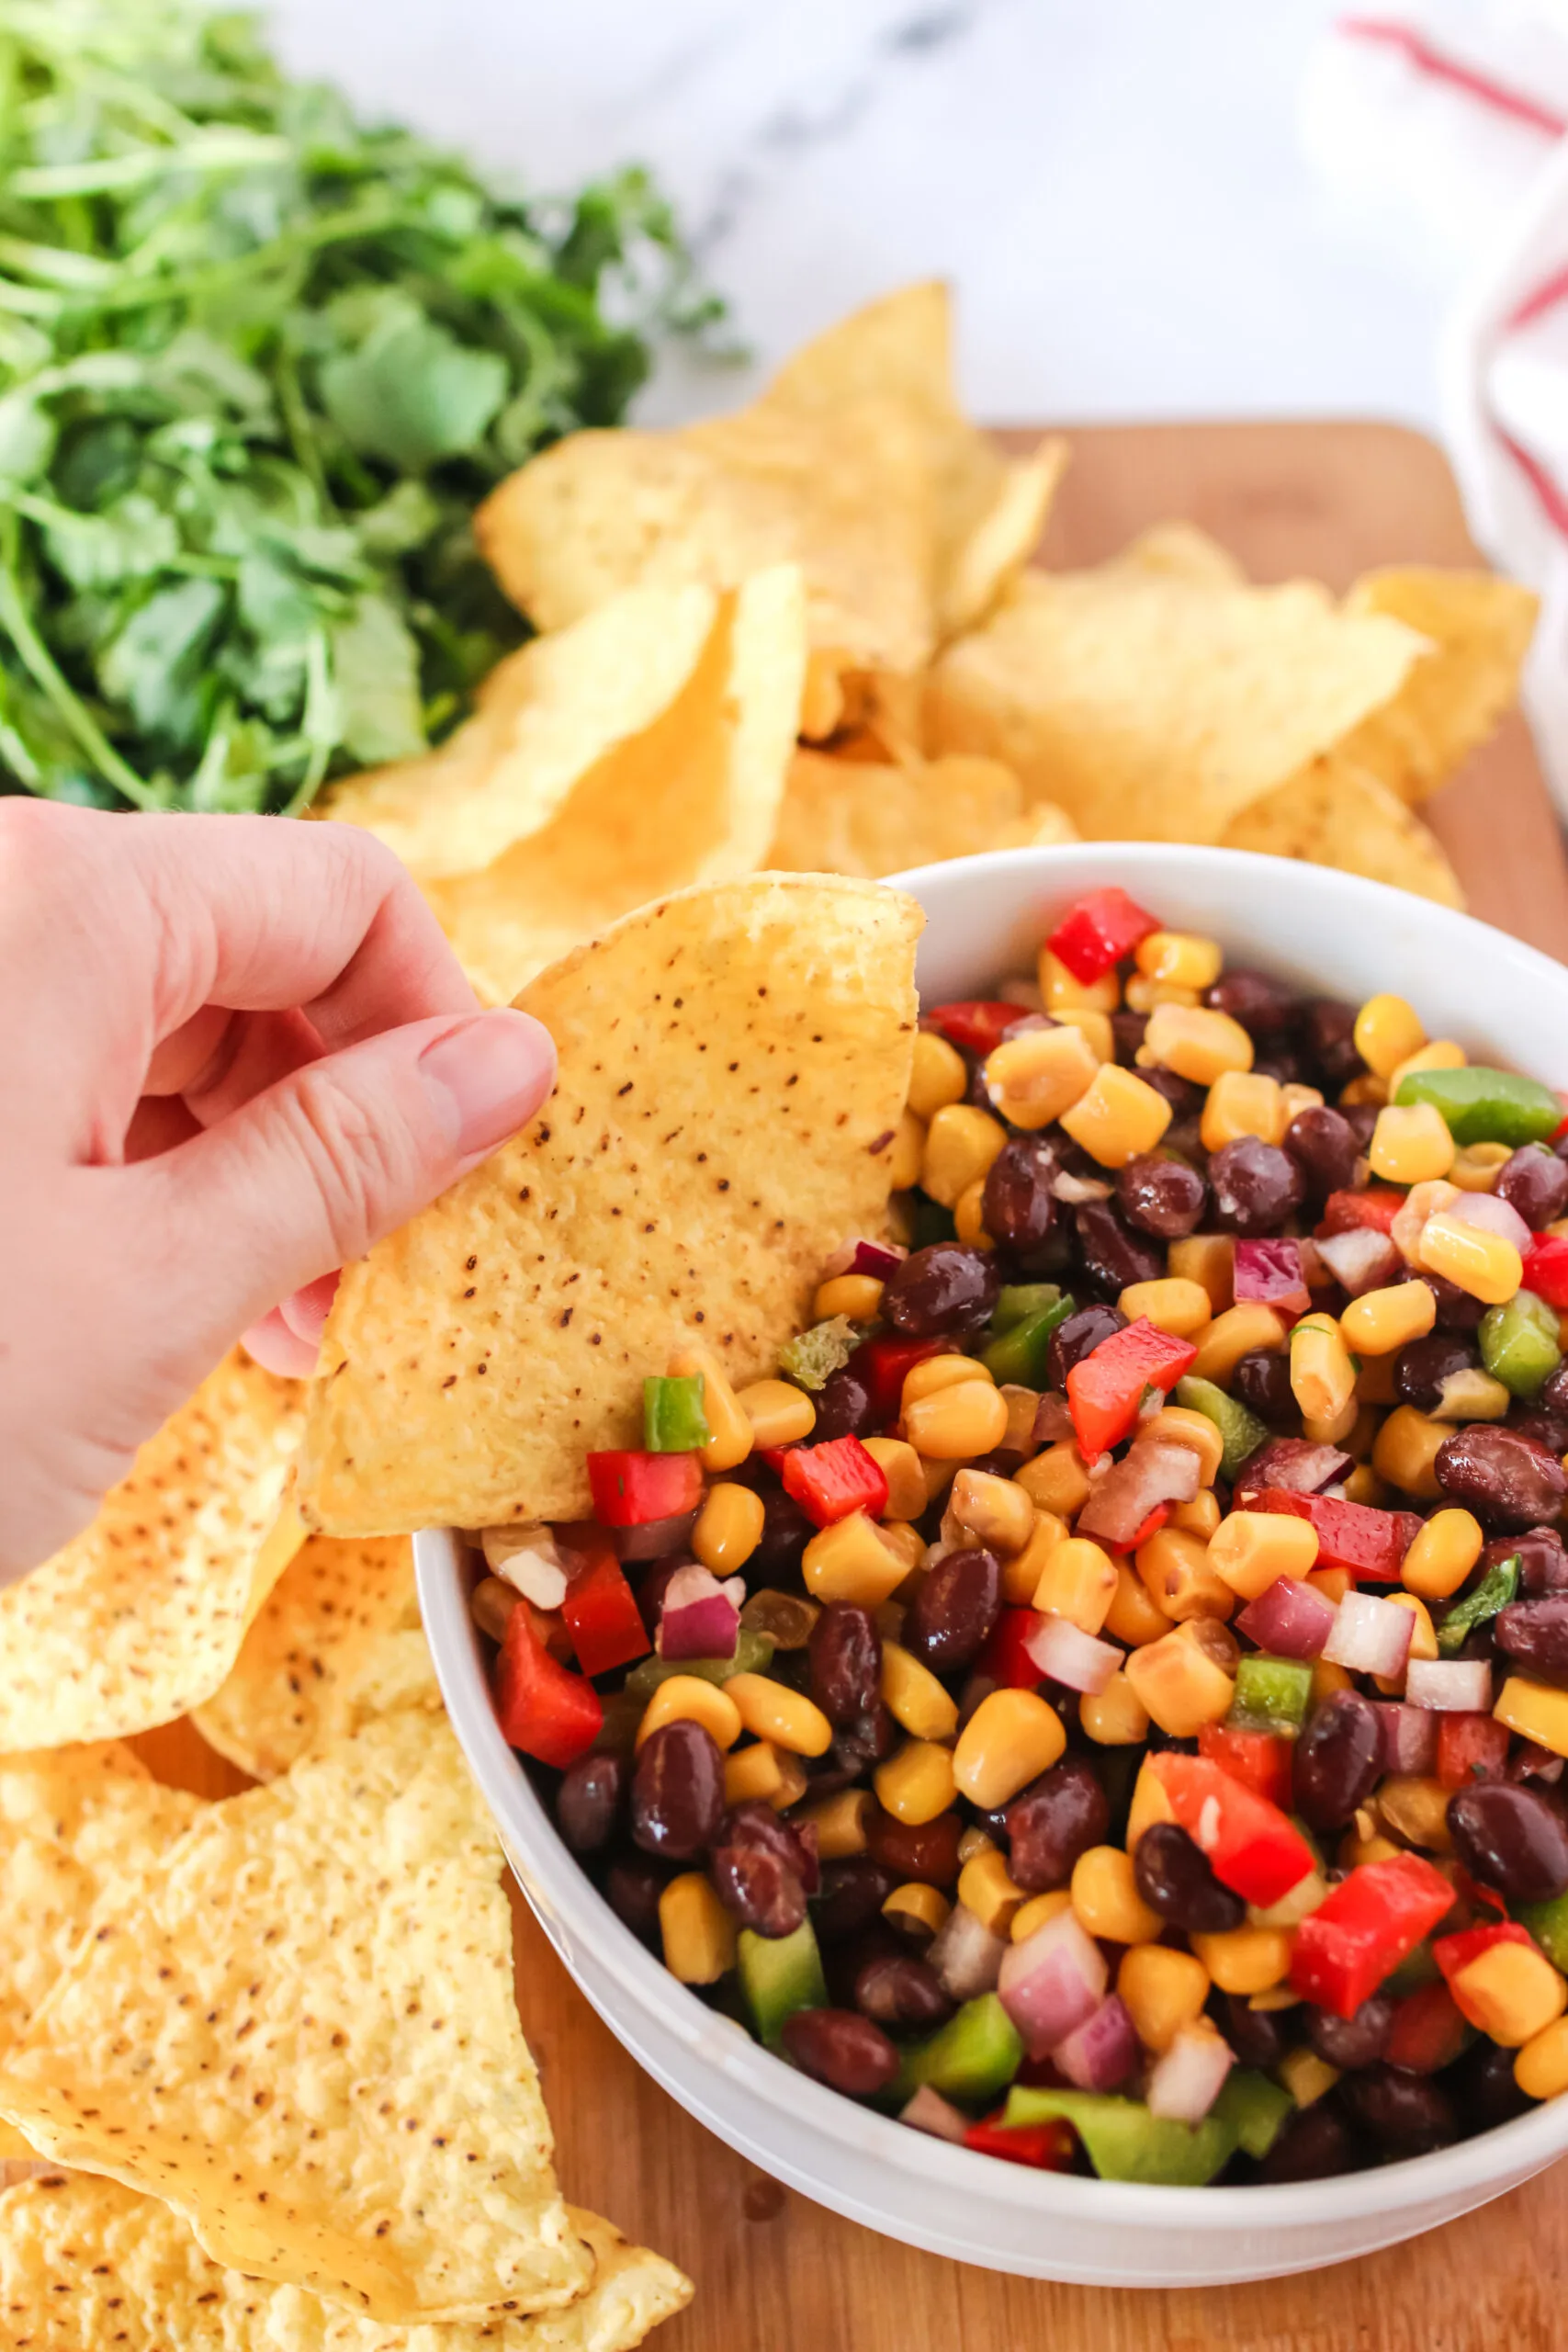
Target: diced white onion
{"x": 1370, "y": 1636}
{"x": 1460, "y": 1686}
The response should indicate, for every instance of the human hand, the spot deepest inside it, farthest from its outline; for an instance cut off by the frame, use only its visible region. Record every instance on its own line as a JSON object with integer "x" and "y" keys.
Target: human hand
{"x": 233, "y": 1052}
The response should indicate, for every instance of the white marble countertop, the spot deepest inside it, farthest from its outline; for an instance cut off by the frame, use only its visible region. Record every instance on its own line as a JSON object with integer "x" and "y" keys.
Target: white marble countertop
{"x": 1115, "y": 186}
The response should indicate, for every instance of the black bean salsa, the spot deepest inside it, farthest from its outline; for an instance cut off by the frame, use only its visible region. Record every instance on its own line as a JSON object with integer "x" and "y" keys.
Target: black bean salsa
{"x": 1104, "y": 1701}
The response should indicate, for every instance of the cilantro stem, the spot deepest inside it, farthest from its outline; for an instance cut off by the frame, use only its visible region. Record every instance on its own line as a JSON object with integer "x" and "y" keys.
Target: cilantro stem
{"x": 40, "y": 663}
{"x": 218, "y": 150}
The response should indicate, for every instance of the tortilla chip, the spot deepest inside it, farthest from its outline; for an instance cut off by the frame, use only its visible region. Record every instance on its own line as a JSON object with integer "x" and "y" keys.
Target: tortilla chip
{"x": 1186, "y": 552}
{"x": 140, "y": 1619}
{"x": 87, "y": 2263}
{"x": 297, "y": 2026}
{"x": 1154, "y": 707}
{"x": 1478, "y": 628}
{"x": 842, "y": 816}
{"x": 1338, "y": 814}
{"x": 733, "y": 1064}
{"x": 693, "y": 799}
{"x": 549, "y": 716}
{"x": 337, "y": 1644}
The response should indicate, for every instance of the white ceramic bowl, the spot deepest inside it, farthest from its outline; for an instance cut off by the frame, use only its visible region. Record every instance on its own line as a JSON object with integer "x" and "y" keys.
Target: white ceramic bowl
{"x": 1338, "y": 935}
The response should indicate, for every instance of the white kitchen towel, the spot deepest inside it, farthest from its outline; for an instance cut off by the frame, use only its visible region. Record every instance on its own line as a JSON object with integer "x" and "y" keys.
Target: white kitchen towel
{"x": 1445, "y": 126}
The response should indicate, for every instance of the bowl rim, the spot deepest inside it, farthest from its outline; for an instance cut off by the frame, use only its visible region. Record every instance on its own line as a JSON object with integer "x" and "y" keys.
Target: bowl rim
{"x": 1494, "y": 2158}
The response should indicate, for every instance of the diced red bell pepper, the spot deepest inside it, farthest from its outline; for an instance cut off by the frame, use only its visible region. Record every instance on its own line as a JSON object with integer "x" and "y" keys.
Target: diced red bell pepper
{"x": 1546, "y": 1269}
{"x": 602, "y": 1614}
{"x": 885, "y": 1364}
{"x": 1453, "y": 1955}
{"x": 1370, "y": 1543}
{"x": 1375, "y": 1204}
{"x": 630, "y": 1489}
{"x": 1259, "y": 1759}
{"x": 1005, "y": 1659}
{"x": 1428, "y": 2033}
{"x": 1049, "y": 2147}
{"x": 542, "y": 1707}
{"x": 1471, "y": 1747}
{"x": 1151, "y": 1526}
{"x": 1106, "y": 1387}
{"x": 832, "y": 1479}
{"x": 1253, "y": 1847}
{"x": 1097, "y": 929}
{"x": 1372, "y": 1921}
{"x": 976, "y": 1024}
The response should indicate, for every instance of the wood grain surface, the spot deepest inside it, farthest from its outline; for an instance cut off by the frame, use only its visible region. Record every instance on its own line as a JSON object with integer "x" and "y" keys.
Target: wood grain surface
{"x": 774, "y": 2272}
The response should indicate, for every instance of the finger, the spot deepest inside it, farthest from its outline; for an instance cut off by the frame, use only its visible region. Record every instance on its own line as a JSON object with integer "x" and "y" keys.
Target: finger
{"x": 275, "y": 1348}
{"x": 159, "y": 1123}
{"x": 305, "y": 1311}
{"x": 195, "y": 1046}
{"x": 258, "y": 1050}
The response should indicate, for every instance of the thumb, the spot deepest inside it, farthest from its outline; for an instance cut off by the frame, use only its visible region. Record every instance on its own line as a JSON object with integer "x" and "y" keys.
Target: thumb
{"x": 310, "y": 1173}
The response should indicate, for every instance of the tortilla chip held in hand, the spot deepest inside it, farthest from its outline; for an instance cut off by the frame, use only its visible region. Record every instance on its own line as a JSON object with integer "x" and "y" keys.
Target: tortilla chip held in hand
{"x": 733, "y": 1065}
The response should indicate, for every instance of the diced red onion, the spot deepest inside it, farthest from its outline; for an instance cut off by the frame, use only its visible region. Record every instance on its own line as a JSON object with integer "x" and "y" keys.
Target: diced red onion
{"x": 1052, "y": 1419}
{"x": 1296, "y": 1463}
{"x": 1189, "y": 2079}
{"x": 1270, "y": 1273}
{"x": 1074, "y": 1190}
{"x": 1066, "y": 1654}
{"x": 966, "y": 1954}
{"x": 929, "y": 2111}
{"x": 1102, "y": 2052}
{"x": 1288, "y": 1619}
{"x": 1409, "y": 1738}
{"x": 1422, "y": 1201}
{"x": 1370, "y": 1636}
{"x": 882, "y": 1259}
{"x": 653, "y": 1538}
{"x": 1152, "y": 1472}
{"x": 1533, "y": 1762}
{"x": 698, "y": 1618}
{"x": 1052, "y": 1982}
{"x": 1456, "y": 1686}
{"x": 1359, "y": 1260}
{"x": 1492, "y": 1215}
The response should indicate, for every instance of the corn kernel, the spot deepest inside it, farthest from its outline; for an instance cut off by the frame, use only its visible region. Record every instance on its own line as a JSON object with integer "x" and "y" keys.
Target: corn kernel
{"x": 940, "y": 1476}
{"x": 1442, "y": 1554}
{"x": 1171, "y": 1305}
{"x": 1185, "y": 956}
{"x": 1242, "y": 1102}
{"x": 900, "y": 1466}
{"x": 698, "y": 1933}
{"x": 1416, "y": 1807}
{"x": 1176, "y": 1569}
{"x": 859, "y": 1296}
{"x": 1485, "y": 1265}
{"x": 1511, "y": 1991}
{"x": 1233, "y": 1335}
{"x": 926, "y": 1905}
{"x": 1119, "y": 1118}
{"x": 1181, "y": 1688}
{"x": 1057, "y": 1480}
{"x": 1387, "y": 1032}
{"x": 994, "y": 1511}
{"x": 1178, "y": 1425}
{"x": 1038, "y": 1910}
{"x": 1441, "y": 1054}
{"x": 839, "y": 1822}
{"x": 1381, "y": 1322}
{"x": 1106, "y": 1899}
{"x": 969, "y": 1217}
{"x": 687, "y": 1699}
{"x": 940, "y": 1075}
{"x": 1091, "y": 1025}
{"x": 1196, "y": 1044}
{"x": 1540, "y": 2069}
{"x": 1142, "y": 995}
{"x": 985, "y": 1888}
{"x": 1536, "y": 1712}
{"x": 1335, "y": 1430}
{"x": 851, "y": 1560}
{"x": 1323, "y": 1378}
{"x": 1209, "y": 1259}
{"x": 764, "y": 1773}
{"x": 956, "y": 1423}
{"x": 1115, "y": 1717}
{"x": 1245, "y": 1959}
{"x": 1306, "y": 2076}
{"x": 1150, "y": 1803}
{"x": 1423, "y": 1641}
{"x": 1077, "y": 1582}
{"x": 730, "y": 1440}
{"x": 1033, "y": 1079}
{"x": 1022, "y": 1573}
{"x": 932, "y": 1373}
{"x": 1361, "y": 1092}
{"x": 772, "y": 1711}
{"x": 728, "y": 1527}
{"x": 1135, "y": 1617}
{"x": 1162, "y": 1991}
{"x": 1299, "y": 1098}
{"x": 1024, "y": 1405}
{"x": 1374, "y": 1382}
{"x": 1012, "y": 1737}
{"x": 1476, "y": 1167}
{"x": 905, "y": 1543}
{"x": 1060, "y": 991}
{"x": 1253, "y": 1548}
{"x": 780, "y": 1414}
{"x": 1407, "y": 1449}
{"x": 1333, "y": 1583}
{"x": 913, "y": 1696}
{"x": 906, "y": 1153}
{"x": 1200, "y": 1516}
{"x": 961, "y": 1143}
{"x": 1328, "y": 1680}
{"x": 917, "y": 1783}
{"x": 1411, "y": 1144}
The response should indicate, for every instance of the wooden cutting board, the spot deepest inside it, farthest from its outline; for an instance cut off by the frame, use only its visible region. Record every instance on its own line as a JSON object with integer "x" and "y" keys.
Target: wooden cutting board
{"x": 776, "y": 2273}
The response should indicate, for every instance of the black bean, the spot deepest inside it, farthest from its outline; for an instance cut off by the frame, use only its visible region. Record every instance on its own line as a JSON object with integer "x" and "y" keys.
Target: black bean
{"x": 1016, "y": 1207}
{"x": 1481, "y": 2086}
{"x": 869, "y": 1739}
{"x": 1457, "y": 1311}
{"x": 758, "y": 1889}
{"x": 927, "y": 1851}
{"x": 1337, "y": 1759}
{"x": 1407, "y": 2115}
{"x": 1285, "y": 1066}
{"x": 677, "y": 1792}
{"x": 955, "y": 1607}
{"x": 1535, "y": 1183}
{"x": 1174, "y": 1878}
{"x": 1313, "y": 2144}
{"x": 941, "y": 1290}
{"x": 786, "y": 1531}
{"x": 844, "y": 2050}
{"x": 1323, "y": 1144}
{"x": 903, "y": 1993}
{"x": 1549, "y": 1430}
{"x": 852, "y": 1892}
{"x": 1356, "y": 2040}
{"x": 1127, "y": 1029}
{"x": 632, "y": 1889}
{"x": 589, "y": 1801}
{"x": 1543, "y": 1563}
{"x": 1113, "y": 1256}
{"x": 1328, "y": 1040}
{"x": 1507, "y": 1479}
{"x": 1257, "y": 2035}
{"x": 1510, "y": 1838}
{"x": 1535, "y": 1634}
{"x": 1553, "y": 1393}
{"x": 845, "y": 1407}
{"x": 1261, "y": 1381}
{"x": 1160, "y": 1195}
{"x": 1423, "y": 1365}
{"x": 1186, "y": 1100}
{"x": 1052, "y": 1821}
{"x": 1256, "y": 1186}
{"x": 845, "y": 1654}
{"x": 1265, "y": 1007}
{"x": 1078, "y": 1337}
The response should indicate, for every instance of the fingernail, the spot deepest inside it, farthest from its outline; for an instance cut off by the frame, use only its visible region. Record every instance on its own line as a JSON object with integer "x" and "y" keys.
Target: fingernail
{"x": 487, "y": 1076}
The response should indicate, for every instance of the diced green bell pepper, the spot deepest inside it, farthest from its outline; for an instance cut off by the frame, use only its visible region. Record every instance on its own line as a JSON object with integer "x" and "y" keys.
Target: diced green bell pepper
{"x": 753, "y": 1654}
{"x": 1548, "y": 1923}
{"x": 1494, "y": 1591}
{"x": 932, "y": 1222}
{"x": 779, "y": 1974}
{"x": 1019, "y": 1355}
{"x": 1271, "y": 1693}
{"x": 812, "y": 1357}
{"x": 1124, "y": 2142}
{"x": 1241, "y": 1432}
{"x": 1417, "y": 1968}
{"x": 1518, "y": 1343}
{"x": 673, "y": 1420}
{"x": 1254, "y": 2108}
{"x": 1481, "y": 1106}
{"x": 1016, "y": 1302}
{"x": 974, "y": 2056}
